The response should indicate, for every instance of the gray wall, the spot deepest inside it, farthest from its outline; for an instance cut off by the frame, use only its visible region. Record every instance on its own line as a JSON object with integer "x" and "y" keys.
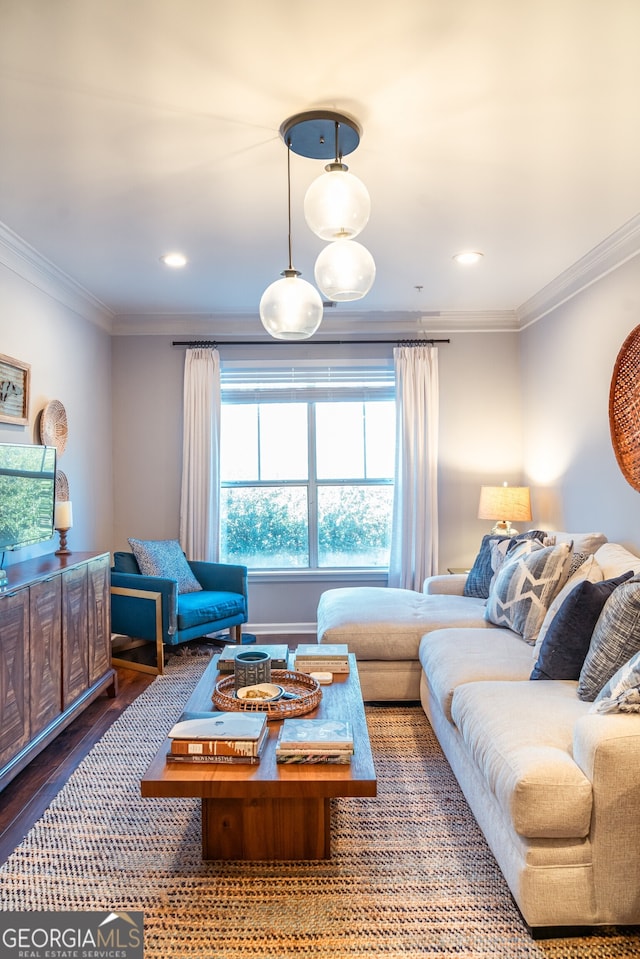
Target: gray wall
{"x": 480, "y": 442}
{"x": 568, "y": 359}
{"x": 70, "y": 361}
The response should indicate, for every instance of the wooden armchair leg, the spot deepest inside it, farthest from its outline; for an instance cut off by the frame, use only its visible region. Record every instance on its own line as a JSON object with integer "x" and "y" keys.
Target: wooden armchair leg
{"x": 236, "y": 632}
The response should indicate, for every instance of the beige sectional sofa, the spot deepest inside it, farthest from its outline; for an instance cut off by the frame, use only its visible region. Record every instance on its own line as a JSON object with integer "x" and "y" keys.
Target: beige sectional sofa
{"x": 554, "y": 785}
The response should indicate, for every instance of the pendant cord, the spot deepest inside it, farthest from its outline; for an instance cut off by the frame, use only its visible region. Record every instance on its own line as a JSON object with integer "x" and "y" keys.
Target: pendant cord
{"x": 289, "y": 199}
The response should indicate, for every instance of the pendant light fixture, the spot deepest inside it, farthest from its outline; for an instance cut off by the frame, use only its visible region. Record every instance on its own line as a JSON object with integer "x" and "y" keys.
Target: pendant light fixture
{"x": 290, "y": 308}
{"x": 337, "y": 204}
{"x": 345, "y": 270}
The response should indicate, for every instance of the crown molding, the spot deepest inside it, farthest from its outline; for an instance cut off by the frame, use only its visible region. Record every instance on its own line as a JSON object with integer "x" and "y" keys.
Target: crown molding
{"x": 354, "y": 324}
{"x": 612, "y": 252}
{"x": 479, "y": 321}
{"x": 21, "y": 258}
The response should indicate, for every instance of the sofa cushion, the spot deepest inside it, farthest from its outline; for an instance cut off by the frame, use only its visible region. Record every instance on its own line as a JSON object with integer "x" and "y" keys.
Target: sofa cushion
{"x": 197, "y": 608}
{"x": 567, "y": 640}
{"x": 616, "y": 638}
{"x": 582, "y": 542}
{"x": 613, "y": 559}
{"x": 165, "y": 558}
{"x": 523, "y": 590}
{"x": 385, "y": 623}
{"x": 451, "y": 657}
{"x": 622, "y": 693}
{"x": 520, "y": 736}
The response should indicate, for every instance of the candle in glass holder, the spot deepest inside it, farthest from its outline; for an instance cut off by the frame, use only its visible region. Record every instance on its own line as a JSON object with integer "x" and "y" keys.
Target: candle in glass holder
{"x": 63, "y": 515}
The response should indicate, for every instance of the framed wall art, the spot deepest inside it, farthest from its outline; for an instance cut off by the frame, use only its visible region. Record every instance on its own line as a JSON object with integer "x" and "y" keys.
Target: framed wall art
{"x": 14, "y": 390}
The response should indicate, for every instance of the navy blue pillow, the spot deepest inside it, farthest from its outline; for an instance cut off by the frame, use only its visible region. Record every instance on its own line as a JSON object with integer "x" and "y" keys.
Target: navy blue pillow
{"x": 481, "y": 573}
{"x": 566, "y": 643}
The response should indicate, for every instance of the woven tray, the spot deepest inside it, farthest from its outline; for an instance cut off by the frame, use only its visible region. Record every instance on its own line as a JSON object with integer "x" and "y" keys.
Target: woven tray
{"x": 624, "y": 409}
{"x": 307, "y": 689}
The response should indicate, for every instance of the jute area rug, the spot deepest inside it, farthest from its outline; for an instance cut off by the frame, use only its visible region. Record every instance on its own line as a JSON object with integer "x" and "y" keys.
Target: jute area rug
{"x": 410, "y": 873}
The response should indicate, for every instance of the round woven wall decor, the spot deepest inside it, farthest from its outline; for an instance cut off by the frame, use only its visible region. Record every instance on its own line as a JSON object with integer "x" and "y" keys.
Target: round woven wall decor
{"x": 624, "y": 408}
{"x": 53, "y": 426}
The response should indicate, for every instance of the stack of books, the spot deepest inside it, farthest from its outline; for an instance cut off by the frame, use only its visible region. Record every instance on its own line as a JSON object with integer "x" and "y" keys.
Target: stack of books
{"x": 322, "y": 658}
{"x": 218, "y": 737}
{"x": 315, "y": 741}
{"x": 279, "y": 656}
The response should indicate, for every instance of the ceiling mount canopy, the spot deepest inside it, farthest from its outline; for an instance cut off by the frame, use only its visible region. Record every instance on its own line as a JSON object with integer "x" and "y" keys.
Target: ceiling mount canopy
{"x": 314, "y": 134}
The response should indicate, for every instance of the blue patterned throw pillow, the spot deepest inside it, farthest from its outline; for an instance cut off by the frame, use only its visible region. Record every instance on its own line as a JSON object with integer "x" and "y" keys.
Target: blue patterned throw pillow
{"x": 616, "y": 638}
{"x": 523, "y": 590}
{"x": 165, "y": 558}
{"x": 481, "y": 573}
{"x": 478, "y": 582}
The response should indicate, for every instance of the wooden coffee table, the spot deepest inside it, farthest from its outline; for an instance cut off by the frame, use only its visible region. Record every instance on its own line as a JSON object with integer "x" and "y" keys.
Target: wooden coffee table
{"x": 270, "y": 811}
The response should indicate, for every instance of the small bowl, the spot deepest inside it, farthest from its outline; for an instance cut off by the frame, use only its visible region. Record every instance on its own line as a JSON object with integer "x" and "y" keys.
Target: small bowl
{"x": 262, "y": 693}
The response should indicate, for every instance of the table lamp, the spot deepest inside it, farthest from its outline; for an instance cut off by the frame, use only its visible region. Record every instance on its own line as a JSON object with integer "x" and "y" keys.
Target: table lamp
{"x": 504, "y": 504}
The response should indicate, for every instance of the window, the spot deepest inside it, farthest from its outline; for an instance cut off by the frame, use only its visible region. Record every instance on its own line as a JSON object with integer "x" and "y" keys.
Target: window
{"x": 307, "y": 461}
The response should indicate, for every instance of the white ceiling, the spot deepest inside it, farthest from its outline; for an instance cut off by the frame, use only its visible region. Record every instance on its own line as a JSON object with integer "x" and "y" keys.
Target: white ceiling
{"x": 129, "y": 128}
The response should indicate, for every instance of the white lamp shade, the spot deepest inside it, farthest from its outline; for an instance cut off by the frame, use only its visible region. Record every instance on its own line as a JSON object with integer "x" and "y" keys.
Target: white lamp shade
{"x": 337, "y": 205}
{"x": 291, "y": 309}
{"x": 345, "y": 270}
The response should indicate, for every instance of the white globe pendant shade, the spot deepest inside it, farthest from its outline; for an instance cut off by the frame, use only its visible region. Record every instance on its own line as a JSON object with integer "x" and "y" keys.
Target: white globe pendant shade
{"x": 291, "y": 308}
{"x": 345, "y": 270}
{"x": 337, "y": 204}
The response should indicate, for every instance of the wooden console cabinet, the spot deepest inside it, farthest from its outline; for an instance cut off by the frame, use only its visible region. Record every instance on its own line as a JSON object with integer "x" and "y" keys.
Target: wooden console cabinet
{"x": 55, "y": 650}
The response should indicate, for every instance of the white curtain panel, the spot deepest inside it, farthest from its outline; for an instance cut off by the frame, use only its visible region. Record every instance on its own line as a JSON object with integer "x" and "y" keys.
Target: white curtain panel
{"x": 414, "y": 536}
{"x": 200, "y": 496}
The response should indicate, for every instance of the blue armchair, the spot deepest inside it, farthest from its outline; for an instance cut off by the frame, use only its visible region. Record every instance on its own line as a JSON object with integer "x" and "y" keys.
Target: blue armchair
{"x": 150, "y": 608}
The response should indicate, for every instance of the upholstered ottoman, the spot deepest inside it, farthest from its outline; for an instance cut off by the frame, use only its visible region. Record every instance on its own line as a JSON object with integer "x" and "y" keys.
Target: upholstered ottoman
{"x": 383, "y": 627}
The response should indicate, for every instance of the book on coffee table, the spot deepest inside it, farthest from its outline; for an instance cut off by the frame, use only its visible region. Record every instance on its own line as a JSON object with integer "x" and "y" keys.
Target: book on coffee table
{"x": 218, "y": 735}
{"x": 314, "y": 741}
{"x": 279, "y": 656}
{"x": 323, "y": 657}
{"x": 338, "y": 757}
{"x": 322, "y": 735}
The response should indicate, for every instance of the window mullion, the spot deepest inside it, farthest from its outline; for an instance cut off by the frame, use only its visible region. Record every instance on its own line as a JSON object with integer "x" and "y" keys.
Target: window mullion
{"x": 312, "y": 488}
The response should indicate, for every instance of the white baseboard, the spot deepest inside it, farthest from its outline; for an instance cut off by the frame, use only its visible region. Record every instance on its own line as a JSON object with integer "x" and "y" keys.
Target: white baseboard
{"x": 281, "y": 629}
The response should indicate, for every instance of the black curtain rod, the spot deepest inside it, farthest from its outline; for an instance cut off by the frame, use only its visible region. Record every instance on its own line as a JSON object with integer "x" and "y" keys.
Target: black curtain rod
{"x": 205, "y": 343}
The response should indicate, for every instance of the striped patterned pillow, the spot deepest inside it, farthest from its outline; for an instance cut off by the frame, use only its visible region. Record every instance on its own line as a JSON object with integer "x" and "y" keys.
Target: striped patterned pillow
{"x": 615, "y": 639}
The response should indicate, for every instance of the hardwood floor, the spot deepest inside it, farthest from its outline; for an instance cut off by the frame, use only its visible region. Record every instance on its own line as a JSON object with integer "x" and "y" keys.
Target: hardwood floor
{"x": 25, "y": 799}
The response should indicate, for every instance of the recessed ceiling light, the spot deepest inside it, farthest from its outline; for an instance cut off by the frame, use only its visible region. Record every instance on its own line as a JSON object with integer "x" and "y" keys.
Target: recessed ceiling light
{"x": 467, "y": 257}
{"x": 175, "y": 260}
